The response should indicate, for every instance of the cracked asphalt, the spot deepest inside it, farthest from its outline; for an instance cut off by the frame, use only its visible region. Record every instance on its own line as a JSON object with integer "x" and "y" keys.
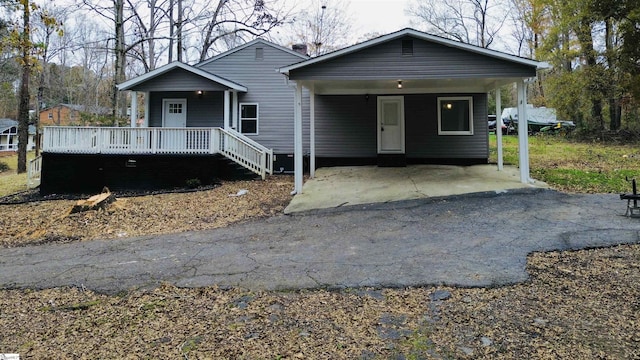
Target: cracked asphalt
{"x": 477, "y": 239}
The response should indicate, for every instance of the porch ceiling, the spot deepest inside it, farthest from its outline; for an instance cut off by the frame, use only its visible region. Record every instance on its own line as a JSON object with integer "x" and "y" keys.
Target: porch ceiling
{"x": 409, "y": 86}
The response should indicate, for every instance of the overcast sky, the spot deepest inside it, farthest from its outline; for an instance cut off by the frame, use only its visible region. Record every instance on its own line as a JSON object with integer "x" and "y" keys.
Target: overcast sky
{"x": 381, "y": 16}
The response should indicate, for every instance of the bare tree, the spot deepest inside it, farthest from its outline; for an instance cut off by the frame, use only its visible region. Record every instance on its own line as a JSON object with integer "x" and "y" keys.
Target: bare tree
{"x": 235, "y": 19}
{"x": 475, "y": 22}
{"x": 325, "y": 25}
{"x": 148, "y": 17}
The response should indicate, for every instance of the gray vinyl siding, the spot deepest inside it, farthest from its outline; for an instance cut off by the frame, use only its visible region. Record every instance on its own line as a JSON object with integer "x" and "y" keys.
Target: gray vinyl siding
{"x": 423, "y": 141}
{"x": 346, "y": 127}
{"x": 179, "y": 80}
{"x": 267, "y": 87}
{"x": 205, "y": 111}
{"x": 429, "y": 61}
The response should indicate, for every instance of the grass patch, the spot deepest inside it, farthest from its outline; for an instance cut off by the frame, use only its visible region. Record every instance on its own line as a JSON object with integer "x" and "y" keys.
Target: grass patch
{"x": 573, "y": 166}
{"x": 10, "y": 181}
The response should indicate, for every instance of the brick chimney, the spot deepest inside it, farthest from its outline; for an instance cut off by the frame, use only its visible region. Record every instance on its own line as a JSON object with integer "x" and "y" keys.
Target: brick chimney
{"x": 300, "y": 48}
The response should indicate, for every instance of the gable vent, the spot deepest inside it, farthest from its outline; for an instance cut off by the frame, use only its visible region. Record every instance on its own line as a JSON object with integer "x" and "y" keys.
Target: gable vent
{"x": 259, "y": 53}
{"x": 407, "y": 47}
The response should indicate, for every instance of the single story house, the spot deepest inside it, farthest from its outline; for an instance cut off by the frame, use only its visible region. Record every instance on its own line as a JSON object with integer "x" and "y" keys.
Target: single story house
{"x": 68, "y": 114}
{"x": 9, "y": 135}
{"x": 405, "y": 97}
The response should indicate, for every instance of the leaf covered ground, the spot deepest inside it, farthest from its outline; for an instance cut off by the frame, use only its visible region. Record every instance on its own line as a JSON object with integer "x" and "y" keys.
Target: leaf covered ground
{"x": 577, "y": 305}
{"x": 49, "y": 221}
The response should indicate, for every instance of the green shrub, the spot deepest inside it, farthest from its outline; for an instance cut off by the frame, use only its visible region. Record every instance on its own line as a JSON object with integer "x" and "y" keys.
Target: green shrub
{"x": 4, "y": 167}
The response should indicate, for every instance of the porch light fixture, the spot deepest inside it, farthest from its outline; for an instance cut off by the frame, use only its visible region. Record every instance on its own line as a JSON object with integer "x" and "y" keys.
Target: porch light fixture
{"x": 399, "y": 84}
{"x": 200, "y": 93}
{"x": 449, "y": 106}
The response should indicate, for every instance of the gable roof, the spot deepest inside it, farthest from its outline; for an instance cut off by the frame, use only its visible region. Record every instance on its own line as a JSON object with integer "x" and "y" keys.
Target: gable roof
{"x": 127, "y": 85}
{"x": 251, "y": 43}
{"x": 419, "y": 35}
{"x": 9, "y": 123}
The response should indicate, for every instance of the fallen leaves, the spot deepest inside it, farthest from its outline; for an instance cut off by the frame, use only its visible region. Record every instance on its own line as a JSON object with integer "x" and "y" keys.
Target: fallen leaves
{"x": 50, "y": 221}
{"x": 591, "y": 314}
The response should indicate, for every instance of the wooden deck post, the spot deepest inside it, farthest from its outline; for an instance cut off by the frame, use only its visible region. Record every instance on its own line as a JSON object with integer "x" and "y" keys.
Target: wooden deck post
{"x": 134, "y": 108}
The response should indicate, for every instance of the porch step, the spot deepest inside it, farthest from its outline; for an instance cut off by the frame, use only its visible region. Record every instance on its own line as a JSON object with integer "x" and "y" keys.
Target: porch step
{"x": 392, "y": 160}
{"x": 231, "y": 170}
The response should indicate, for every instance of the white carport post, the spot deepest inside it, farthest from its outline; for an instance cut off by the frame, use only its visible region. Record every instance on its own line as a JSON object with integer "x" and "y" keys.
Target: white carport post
{"x": 134, "y": 108}
{"x": 226, "y": 112}
{"x": 523, "y": 132}
{"x": 499, "y": 128}
{"x": 297, "y": 139}
{"x": 312, "y": 133}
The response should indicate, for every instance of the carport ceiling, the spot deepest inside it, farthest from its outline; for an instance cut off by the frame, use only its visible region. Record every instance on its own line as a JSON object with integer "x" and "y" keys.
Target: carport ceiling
{"x": 409, "y": 86}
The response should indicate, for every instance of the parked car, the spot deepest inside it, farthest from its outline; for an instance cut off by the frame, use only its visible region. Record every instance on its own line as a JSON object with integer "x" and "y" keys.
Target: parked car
{"x": 492, "y": 120}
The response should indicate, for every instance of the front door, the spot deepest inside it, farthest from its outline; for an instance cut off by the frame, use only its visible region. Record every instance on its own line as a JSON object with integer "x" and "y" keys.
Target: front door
{"x": 391, "y": 125}
{"x": 174, "y": 113}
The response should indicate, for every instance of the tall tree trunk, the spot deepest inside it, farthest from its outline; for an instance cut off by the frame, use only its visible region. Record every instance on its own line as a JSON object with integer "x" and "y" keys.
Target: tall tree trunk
{"x": 179, "y": 31}
{"x": 152, "y": 35}
{"x": 586, "y": 44}
{"x": 120, "y": 56}
{"x": 171, "y": 26}
{"x": 615, "y": 110}
{"x": 23, "y": 106}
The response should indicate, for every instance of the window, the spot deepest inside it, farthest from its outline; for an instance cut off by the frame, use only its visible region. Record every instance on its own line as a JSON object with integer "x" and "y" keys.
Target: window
{"x": 50, "y": 115}
{"x": 249, "y": 119}
{"x": 175, "y": 108}
{"x": 455, "y": 115}
{"x": 259, "y": 53}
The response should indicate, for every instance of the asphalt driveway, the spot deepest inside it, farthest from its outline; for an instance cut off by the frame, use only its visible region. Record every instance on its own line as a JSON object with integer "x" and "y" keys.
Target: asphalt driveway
{"x": 469, "y": 240}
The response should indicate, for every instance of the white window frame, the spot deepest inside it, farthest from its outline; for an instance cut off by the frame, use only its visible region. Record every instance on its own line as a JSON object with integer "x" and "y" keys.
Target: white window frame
{"x": 455, "y": 98}
{"x": 241, "y": 119}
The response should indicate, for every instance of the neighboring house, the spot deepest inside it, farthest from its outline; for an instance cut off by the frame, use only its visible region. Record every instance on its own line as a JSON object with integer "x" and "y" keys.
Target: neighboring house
{"x": 405, "y": 97}
{"x": 9, "y": 135}
{"x": 68, "y": 114}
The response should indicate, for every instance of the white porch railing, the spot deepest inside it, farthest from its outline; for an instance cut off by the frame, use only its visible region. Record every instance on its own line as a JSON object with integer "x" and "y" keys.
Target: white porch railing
{"x": 181, "y": 141}
{"x": 33, "y": 172}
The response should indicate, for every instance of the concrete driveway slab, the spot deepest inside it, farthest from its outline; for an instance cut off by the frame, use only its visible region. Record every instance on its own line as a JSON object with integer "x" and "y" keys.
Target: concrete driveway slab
{"x": 469, "y": 240}
{"x": 353, "y": 185}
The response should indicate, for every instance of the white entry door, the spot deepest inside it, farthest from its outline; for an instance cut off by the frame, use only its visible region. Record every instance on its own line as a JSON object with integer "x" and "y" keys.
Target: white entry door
{"x": 174, "y": 113}
{"x": 391, "y": 125}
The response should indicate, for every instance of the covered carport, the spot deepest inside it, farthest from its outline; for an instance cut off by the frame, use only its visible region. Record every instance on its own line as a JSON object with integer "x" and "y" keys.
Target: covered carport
{"x": 373, "y": 68}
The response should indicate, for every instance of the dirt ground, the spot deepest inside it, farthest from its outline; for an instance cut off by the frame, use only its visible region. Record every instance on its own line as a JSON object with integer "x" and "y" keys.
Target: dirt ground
{"x": 49, "y": 221}
{"x": 576, "y": 305}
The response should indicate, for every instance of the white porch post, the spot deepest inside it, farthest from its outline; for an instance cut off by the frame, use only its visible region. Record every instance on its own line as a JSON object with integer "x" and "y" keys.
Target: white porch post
{"x": 523, "y": 133}
{"x": 234, "y": 110}
{"x": 312, "y": 133}
{"x": 134, "y": 108}
{"x": 297, "y": 139}
{"x": 226, "y": 111}
{"x": 499, "y": 128}
{"x": 147, "y": 106}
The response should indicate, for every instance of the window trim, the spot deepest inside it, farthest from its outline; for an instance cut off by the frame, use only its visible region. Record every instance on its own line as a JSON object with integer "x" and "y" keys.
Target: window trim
{"x": 241, "y": 119}
{"x": 454, "y": 98}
